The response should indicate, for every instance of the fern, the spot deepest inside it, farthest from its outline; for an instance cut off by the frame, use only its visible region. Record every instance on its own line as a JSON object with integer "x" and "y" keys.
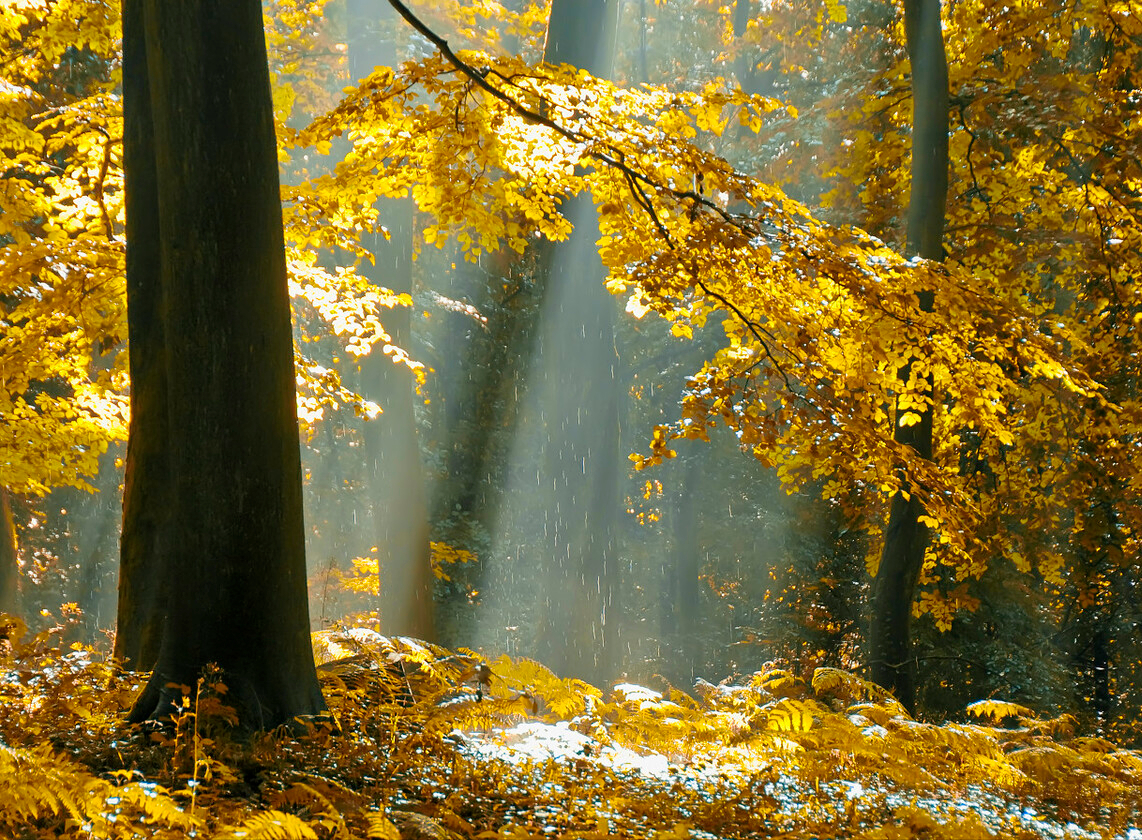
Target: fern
{"x": 273, "y": 825}
{"x": 790, "y": 715}
{"x": 155, "y": 803}
{"x": 35, "y": 784}
{"x": 380, "y": 827}
{"x": 998, "y": 709}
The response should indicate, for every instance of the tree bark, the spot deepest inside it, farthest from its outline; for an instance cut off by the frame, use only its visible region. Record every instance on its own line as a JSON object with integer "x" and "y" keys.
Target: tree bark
{"x": 905, "y": 539}
{"x": 583, "y": 463}
{"x": 392, "y": 451}
{"x": 235, "y": 557}
{"x": 9, "y": 558}
{"x": 744, "y": 67}
{"x": 682, "y": 585}
{"x": 481, "y": 404}
{"x": 147, "y": 477}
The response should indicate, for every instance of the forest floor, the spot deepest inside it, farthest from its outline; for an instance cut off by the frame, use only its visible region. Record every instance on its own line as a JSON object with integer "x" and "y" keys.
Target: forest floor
{"x": 429, "y": 743}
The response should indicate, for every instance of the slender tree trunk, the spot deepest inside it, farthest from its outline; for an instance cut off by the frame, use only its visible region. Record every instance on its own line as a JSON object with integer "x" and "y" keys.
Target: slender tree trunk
{"x": 95, "y": 535}
{"x": 9, "y": 558}
{"x": 1102, "y": 699}
{"x": 680, "y": 601}
{"x": 744, "y": 65}
{"x": 643, "y": 69}
{"x": 905, "y": 539}
{"x": 235, "y": 557}
{"x": 392, "y": 452}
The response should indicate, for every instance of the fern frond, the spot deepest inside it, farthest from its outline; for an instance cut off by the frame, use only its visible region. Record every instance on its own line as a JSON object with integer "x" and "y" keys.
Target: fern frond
{"x": 37, "y": 783}
{"x": 998, "y": 709}
{"x": 156, "y": 804}
{"x": 380, "y": 827}
{"x": 849, "y": 687}
{"x": 789, "y": 715}
{"x": 1043, "y": 762}
{"x": 777, "y": 682}
{"x": 274, "y": 825}
{"x": 882, "y": 714}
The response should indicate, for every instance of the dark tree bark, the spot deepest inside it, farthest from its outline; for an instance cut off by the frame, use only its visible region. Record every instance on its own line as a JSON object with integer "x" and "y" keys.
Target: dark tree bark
{"x": 392, "y": 452}
{"x": 583, "y": 462}
{"x": 233, "y": 559}
{"x": 905, "y": 539}
{"x": 9, "y": 560}
{"x": 147, "y": 478}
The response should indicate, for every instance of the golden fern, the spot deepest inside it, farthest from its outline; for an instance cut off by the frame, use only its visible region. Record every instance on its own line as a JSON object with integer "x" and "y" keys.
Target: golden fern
{"x": 156, "y": 804}
{"x": 777, "y": 682}
{"x": 789, "y": 715}
{"x": 851, "y": 689}
{"x": 998, "y": 709}
{"x": 273, "y": 825}
{"x": 380, "y": 827}
{"x": 35, "y": 784}
{"x": 554, "y": 698}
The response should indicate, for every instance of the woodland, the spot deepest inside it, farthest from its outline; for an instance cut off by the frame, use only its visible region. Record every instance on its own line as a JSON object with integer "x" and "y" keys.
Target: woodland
{"x": 570, "y": 418}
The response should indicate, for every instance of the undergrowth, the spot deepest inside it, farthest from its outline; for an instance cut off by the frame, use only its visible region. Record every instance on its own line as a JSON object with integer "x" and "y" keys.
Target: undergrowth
{"x": 431, "y": 743}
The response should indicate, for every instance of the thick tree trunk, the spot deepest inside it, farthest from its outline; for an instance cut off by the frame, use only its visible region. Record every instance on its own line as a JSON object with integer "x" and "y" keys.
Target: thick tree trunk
{"x": 147, "y": 480}
{"x": 234, "y": 560}
{"x": 905, "y": 539}
{"x": 392, "y": 451}
{"x": 583, "y": 463}
{"x": 9, "y": 559}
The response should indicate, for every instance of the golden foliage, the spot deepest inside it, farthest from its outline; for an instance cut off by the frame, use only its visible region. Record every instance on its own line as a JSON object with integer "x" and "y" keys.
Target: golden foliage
{"x": 450, "y": 749}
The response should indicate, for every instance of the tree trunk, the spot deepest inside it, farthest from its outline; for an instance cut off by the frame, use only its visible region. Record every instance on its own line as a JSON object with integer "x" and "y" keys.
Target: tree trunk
{"x": 147, "y": 477}
{"x": 234, "y": 558}
{"x": 481, "y": 404}
{"x": 905, "y": 539}
{"x": 681, "y": 596}
{"x": 582, "y": 33}
{"x": 392, "y": 452}
{"x": 583, "y": 462}
{"x": 9, "y": 559}
{"x": 744, "y": 67}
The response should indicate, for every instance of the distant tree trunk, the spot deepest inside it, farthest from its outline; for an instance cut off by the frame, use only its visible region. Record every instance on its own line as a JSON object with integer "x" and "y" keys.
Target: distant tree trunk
{"x": 9, "y": 559}
{"x": 235, "y": 557}
{"x": 148, "y": 482}
{"x": 583, "y": 462}
{"x": 1102, "y": 698}
{"x": 95, "y": 531}
{"x": 680, "y": 604}
{"x": 481, "y": 407}
{"x": 744, "y": 67}
{"x": 392, "y": 451}
{"x": 905, "y": 539}
{"x": 643, "y": 69}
